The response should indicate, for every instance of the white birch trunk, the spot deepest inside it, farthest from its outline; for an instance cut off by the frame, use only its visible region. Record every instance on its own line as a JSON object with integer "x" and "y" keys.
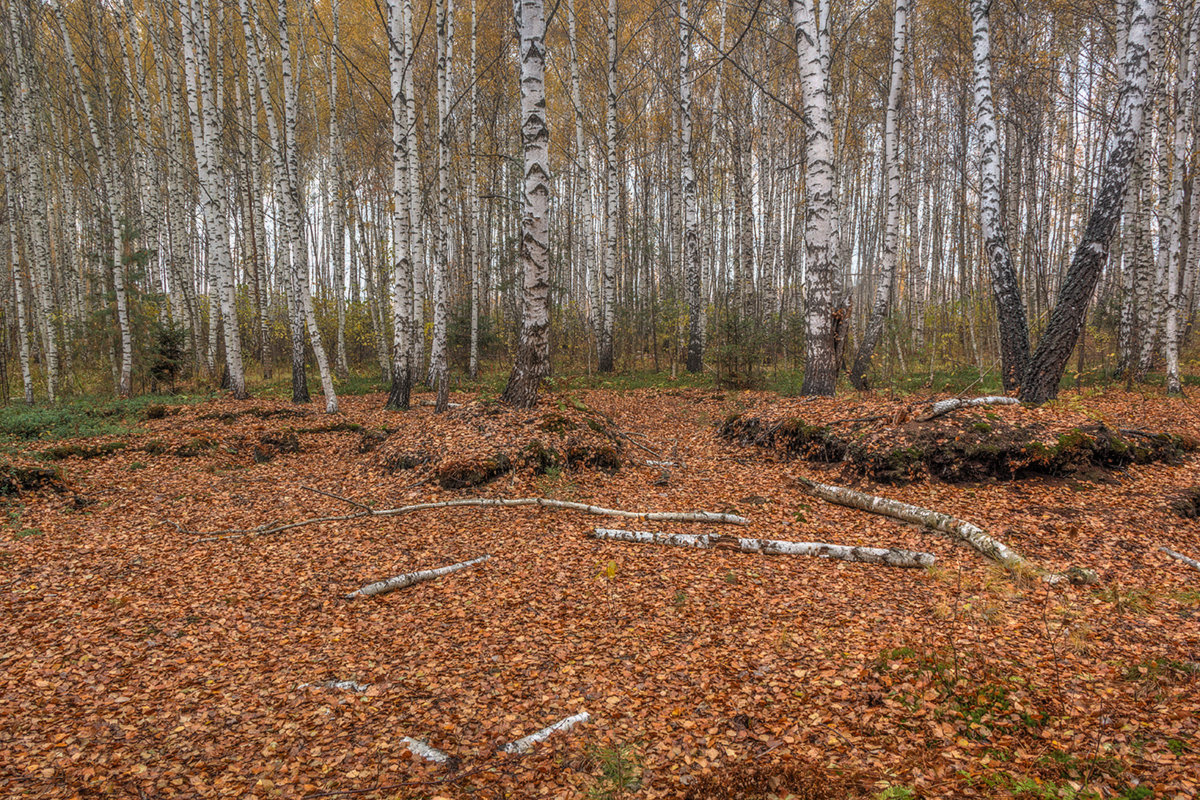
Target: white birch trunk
{"x": 400, "y": 393}
{"x": 820, "y": 369}
{"x": 1010, "y": 307}
{"x": 611, "y": 195}
{"x": 891, "y": 227}
{"x": 533, "y": 352}
{"x": 691, "y": 215}
{"x": 439, "y": 368}
{"x": 583, "y": 178}
{"x": 473, "y": 187}
{"x": 11, "y": 182}
{"x": 1184, "y": 120}
{"x": 412, "y": 578}
{"x": 337, "y": 243}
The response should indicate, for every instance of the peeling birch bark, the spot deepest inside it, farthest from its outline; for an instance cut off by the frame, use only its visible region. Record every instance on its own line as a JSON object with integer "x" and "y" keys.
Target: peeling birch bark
{"x": 891, "y": 557}
{"x": 1191, "y": 562}
{"x": 524, "y": 745}
{"x": 412, "y": 578}
{"x": 943, "y": 407}
{"x": 422, "y": 750}
{"x": 954, "y": 527}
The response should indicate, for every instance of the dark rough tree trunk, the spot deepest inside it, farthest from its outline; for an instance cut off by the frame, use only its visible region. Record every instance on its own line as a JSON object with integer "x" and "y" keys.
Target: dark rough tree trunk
{"x": 1066, "y": 320}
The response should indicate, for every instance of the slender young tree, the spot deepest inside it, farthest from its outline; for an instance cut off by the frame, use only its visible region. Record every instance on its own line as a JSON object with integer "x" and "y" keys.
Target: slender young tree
{"x": 691, "y": 216}
{"x": 1066, "y": 320}
{"x": 400, "y": 395}
{"x": 439, "y": 367}
{"x": 533, "y": 352}
{"x": 612, "y": 192}
{"x": 473, "y": 188}
{"x": 891, "y": 225}
{"x": 14, "y": 257}
{"x": 1176, "y": 220}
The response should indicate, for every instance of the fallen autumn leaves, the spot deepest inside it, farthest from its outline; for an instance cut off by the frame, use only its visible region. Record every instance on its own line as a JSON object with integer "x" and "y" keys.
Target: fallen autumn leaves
{"x": 134, "y": 661}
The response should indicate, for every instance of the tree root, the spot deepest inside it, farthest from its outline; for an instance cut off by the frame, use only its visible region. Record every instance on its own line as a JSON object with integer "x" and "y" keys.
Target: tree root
{"x": 872, "y": 555}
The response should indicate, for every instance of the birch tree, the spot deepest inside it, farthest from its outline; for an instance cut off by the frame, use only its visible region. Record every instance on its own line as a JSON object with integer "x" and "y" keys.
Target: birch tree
{"x": 1176, "y": 214}
{"x": 1066, "y": 320}
{"x": 812, "y": 44}
{"x": 439, "y": 369}
{"x": 399, "y": 397}
{"x": 691, "y": 216}
{"x": 608, "y": 282}
{"x": 533, "y": 351}
{"x": 891, "y": 232}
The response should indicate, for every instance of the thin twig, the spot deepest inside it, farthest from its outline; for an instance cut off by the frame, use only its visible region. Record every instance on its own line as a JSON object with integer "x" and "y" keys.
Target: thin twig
{"x": 338, "y": 497}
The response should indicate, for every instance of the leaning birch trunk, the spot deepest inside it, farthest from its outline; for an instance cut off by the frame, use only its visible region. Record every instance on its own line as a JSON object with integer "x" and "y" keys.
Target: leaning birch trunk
{"x": 943, "y": 407}
{"x": 891, "y": 557}
{"x": 1010, "y": 307}
{"x": 108, "y": 190}
{"x": 14, "y": 253}
{"x": 400, "y": 393}
{"x": 811, "y": 31}
{"x": 957, "y": 528}
{"x": 891, "y": 232}
{"x": 608, "y": 280}
{"x": 1175, "y": 216}
{"x": 34, "y": 207}
{"x": 691, "y": 216}
{"x": 412, "y": 578}
{"x": 1191, "y": 562}
{"x": 300, "y": 251}
{"x": 533, "y": 351}
{"x": 1066, "y": 320}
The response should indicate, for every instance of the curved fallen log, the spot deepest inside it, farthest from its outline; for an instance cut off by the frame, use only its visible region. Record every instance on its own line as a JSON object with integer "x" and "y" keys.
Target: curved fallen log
{"x": 954, "y": 527}
{"x": 943, "y": 407}
{"x": 891, "y": 557}
{"x": 486, "y": 502}
{"x": 525, "y": 744}
{"x": 1191, "y": 562}
{"x": 411, "y": 578}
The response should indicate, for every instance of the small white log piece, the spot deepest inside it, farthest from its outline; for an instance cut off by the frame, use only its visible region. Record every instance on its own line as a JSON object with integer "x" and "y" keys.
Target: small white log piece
{"x": 1191, "y": 562}
{"x": 525, "y": 744}
{"x": 422, "y": 750}
{"x": 345, "y": 686}
{"x": 410, "y": 578}
{"x": 892, "y": 557}
{"x": 943, "y": 407}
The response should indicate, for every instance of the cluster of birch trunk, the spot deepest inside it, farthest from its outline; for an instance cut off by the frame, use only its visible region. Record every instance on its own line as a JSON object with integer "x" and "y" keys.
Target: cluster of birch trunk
{"x": 338, "y": 184}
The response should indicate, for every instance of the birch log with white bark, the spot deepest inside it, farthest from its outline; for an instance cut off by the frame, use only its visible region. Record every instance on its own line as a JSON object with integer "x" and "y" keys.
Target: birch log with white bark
{"x": 892, "y": 557}
{"x": 1191, "y": 562}
{"x": 533, "y": 350}
{"x": 424, "y": 751}
{"x": 413, "y": 578}
{"x": 959, "y": 529}
{"x": 943, "y": 407}
{"x": 526, "y": 743}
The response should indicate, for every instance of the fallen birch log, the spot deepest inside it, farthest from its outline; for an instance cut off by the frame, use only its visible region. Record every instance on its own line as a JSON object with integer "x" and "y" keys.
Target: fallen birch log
{"x": 954, "y": 527}
{"x": 411, "y": 578}
{"x": 345, "y": 686}
{"x": 485, "y": 502}
{"x": 525, "y": 744}
{"x": 943, "y": 407}
{"x": 1191, "y": 562}
{"x": 891, "y": 557}
{"x": 422, "y": 750}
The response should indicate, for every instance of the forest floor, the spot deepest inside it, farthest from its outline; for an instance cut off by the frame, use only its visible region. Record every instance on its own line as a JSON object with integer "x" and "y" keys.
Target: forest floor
{"x": 138, "y": 659}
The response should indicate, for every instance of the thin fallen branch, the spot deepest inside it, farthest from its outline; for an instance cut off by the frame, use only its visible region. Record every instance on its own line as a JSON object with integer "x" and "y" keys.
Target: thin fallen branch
{"x": 954, "y": 527}
{"x": 411, "y": 578}
{"x": 422, "y": 750}
{"x": 337, "y": 497}
{"x": 486, "y": 502}
{"x": 714, "y": 541}
{"x": 943, "y": 407}
{"x": 660, "y": 463}
{"x": 524, "y": 745}
{"x": 1191, "y": 562}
